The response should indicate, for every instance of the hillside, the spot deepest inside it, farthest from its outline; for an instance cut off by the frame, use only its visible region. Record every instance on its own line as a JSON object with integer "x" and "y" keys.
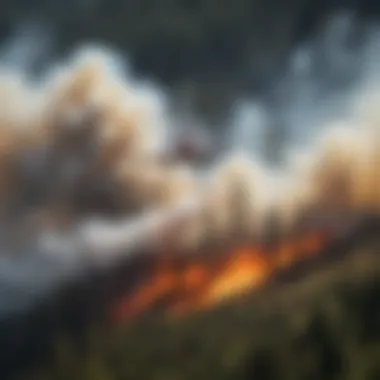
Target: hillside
{"x": 323, "y": 326}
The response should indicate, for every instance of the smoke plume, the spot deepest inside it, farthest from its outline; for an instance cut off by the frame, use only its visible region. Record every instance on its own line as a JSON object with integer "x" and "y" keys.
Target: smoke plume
{"x": 87, "y": 168}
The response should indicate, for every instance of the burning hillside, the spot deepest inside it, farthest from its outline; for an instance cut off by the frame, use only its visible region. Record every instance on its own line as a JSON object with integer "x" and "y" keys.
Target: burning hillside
{"x": 183, "y": 284}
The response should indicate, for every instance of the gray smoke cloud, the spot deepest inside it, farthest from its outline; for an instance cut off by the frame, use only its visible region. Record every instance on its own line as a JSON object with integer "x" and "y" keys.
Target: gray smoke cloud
{"x": 323, "y": 80}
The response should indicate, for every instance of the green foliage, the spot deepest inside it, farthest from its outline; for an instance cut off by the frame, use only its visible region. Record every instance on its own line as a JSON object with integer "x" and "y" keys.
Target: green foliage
{"x": 325, "y": 327}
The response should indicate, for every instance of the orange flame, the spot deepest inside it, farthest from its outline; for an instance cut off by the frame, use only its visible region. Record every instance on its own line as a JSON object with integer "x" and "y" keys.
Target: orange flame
{"x": 180, "y": 285}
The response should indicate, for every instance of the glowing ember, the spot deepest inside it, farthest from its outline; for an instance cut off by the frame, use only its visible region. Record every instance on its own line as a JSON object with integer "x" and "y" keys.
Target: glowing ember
{"x": 179, "y": 287}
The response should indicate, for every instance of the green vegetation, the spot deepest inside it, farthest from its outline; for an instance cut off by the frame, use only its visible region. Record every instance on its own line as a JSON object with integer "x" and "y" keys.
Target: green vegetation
{"x": 324, "y": 327}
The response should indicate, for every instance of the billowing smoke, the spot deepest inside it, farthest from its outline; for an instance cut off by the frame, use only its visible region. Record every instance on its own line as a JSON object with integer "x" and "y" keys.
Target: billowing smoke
{"x": 86, "y": 142}
{"x": 89, "y": 169}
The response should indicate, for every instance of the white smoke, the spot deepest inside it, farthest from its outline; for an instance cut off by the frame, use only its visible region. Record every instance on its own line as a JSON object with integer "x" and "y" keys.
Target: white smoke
{"x": 90, "y": 131}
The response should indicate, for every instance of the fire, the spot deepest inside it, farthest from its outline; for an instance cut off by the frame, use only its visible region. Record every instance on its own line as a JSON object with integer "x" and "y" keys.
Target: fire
{"x": 179, "y": 285}
{"x": 243, "y": 270}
